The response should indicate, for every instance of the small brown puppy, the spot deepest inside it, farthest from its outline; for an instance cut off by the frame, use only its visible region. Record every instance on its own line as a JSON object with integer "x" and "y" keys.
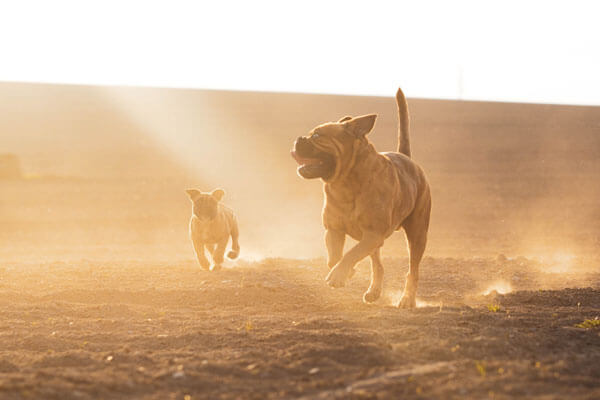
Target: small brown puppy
{"x": 368, "y": 196}
{"x": 211, "y": 225}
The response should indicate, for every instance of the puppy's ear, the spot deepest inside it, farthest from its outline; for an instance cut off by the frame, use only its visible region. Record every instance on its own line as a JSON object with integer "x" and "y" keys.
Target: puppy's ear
{"x": 193, "y": 193}
{"x": 218, "y": 194}
{"x": 361, "y": 126}
{"x": 344, "y": 119}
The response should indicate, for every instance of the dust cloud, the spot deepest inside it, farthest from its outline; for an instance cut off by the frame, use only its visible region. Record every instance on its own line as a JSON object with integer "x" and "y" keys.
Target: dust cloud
{"x": 108, "y": 167}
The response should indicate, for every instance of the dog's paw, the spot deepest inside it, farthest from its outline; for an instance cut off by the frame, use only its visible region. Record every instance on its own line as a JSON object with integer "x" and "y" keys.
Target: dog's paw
{"x": 232, "y": 255}
{"x": 205, "y": 265}
{"x": 407, "y": 301}
{"x": 337, "y": 277}
{"x": 372, "y": 295}
{"x": 215, "y": 267}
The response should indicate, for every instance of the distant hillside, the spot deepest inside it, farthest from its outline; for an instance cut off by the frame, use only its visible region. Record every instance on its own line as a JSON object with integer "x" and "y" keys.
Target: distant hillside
{"x": 76, "y": 122}
{"x": 521, "y": 171}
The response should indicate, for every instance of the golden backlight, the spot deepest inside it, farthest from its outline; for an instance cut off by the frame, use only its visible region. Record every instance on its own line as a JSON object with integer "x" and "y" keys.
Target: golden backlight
{"x": 101, "y": 295}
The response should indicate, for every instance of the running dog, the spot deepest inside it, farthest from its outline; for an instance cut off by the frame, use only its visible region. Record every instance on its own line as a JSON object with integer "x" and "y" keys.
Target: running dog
{"x": 368, "y": 196}
{"x": 211, "y": 225}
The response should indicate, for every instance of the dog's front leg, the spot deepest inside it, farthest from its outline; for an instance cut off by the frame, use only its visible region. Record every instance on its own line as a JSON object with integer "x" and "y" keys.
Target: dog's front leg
{"x": 334, "y": 240}
{"x": 219, "y": 254}
{"x": 199, "y": 249}
{"x": 235, "y": 245}
{"x": 369, "y": 242}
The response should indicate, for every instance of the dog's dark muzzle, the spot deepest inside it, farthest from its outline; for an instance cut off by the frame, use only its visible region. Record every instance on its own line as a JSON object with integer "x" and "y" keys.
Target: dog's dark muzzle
{"x": 312, "y": 162}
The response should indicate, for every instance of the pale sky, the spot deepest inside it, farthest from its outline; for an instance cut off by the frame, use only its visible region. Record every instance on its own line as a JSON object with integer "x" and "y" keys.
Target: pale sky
{"x": 522, "y": 51}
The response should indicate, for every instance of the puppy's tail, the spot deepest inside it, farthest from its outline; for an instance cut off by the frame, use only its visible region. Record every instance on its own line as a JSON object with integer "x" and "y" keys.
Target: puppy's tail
{"x": 403, "y": 124}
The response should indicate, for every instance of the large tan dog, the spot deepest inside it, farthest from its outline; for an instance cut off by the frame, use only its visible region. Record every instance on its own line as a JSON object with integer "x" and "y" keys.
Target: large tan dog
{"x": 368, "y": 196}
{"x": 211, "y": 225}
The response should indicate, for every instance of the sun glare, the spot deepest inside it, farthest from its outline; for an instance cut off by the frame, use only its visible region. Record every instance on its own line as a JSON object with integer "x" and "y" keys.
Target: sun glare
{"x": 423, "y": 303}
{"x": 501, "y": 287}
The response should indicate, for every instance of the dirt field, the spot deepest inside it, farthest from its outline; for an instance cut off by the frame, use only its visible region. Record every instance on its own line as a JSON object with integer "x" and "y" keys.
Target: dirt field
{"x": 101, "y": 298}
{"x": 274, "y": 330}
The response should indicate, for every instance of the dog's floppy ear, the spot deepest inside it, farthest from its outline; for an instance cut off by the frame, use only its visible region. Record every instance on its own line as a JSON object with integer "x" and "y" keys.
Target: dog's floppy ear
{"x": 218, "y": 194}
{"x": 344, "y": 119}
{"x": 193, "y": 193}
{"x": 361, "y": 126}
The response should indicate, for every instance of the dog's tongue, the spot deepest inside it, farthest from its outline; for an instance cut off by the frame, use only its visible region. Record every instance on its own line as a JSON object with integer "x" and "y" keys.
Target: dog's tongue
{"x": 301, "y": 160}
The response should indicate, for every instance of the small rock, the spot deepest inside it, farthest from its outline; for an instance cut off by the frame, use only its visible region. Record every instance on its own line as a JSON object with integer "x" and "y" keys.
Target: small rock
{"x": 178, "y": 374}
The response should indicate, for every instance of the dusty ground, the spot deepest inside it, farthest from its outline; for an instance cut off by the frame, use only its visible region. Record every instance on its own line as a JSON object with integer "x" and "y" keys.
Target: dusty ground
{"x": 100, "y": 296}
{"x": 272, "y": 329}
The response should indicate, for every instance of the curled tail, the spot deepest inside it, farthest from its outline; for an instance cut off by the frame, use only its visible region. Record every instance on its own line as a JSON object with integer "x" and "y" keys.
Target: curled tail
{"x": 403, "y": 124}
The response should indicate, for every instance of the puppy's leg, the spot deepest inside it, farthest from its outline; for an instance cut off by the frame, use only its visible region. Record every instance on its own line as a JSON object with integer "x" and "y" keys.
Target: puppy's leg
{"x": 218, "y": 254}
{"x": 334, "y": 240}
{"x": 376, "y": 285}
{"x": 210, "y": 248}
{"x": 415, "y": 227}
{"x": 199, "y": 249}
{"x": 369, "y": 242}
{"x": 235, "y": 245}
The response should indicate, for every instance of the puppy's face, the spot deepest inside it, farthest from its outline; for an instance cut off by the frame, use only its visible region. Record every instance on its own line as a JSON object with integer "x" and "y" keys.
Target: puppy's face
{"x": 205, "y": 205}
{"x": 327, "y": 149}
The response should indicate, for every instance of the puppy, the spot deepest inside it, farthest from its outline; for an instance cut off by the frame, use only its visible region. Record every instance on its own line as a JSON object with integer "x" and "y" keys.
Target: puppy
{"x": 368, "y": 196}
{"x": 211, "y": 225}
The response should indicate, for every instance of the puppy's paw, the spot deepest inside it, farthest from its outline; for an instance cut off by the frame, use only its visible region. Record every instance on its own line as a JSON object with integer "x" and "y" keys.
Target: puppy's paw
{"x": 372, "y": 295}
{"x": 232, "y": 255}
{"x": 205, "y": 265}
{"x": 215, "y": 267}
{"x": 337, "y": 277}
{"x": 407, "y": 301}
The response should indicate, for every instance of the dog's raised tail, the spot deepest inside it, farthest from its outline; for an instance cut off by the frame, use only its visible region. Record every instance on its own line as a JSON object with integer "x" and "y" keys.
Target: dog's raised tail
{"x": 403, "y": 124}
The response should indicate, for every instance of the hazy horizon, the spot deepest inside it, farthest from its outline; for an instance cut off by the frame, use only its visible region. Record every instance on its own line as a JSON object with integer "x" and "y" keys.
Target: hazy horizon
{"x": 135, "y": 151}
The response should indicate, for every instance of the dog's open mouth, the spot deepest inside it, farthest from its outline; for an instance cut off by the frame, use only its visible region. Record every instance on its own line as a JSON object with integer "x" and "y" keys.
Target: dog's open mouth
{"x": 320, "y": 165}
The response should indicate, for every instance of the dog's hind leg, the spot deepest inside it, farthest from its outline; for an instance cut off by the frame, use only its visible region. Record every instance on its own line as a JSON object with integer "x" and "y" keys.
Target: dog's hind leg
{"x": 334, "y": 240}
{"x": 374, "y": 291}
{"x": 415, "y": 227}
